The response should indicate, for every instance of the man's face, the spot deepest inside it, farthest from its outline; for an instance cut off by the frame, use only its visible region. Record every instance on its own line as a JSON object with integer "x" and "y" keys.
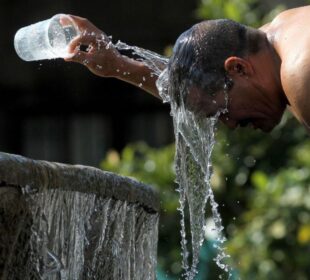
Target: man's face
{"x": 246, "y": 106}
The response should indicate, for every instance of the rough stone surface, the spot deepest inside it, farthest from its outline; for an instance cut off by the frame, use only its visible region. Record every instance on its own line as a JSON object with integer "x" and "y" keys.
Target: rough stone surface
{"x": 16, "y": 170}
{"x": 32, "y": 191}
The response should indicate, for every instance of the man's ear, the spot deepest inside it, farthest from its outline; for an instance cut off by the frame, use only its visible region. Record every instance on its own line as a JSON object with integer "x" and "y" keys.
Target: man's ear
{"x": 236, "y": 66}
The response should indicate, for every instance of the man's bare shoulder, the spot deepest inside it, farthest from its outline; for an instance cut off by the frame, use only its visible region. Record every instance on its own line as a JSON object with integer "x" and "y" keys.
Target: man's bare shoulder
{"x": 295, "y": 79}
{"x": 287, "y": 14}
{"x": 291, "y": 39}
{"x": 290, "y": 36}
{"x": 288, "y": 20}
{"x": 288, "y": 33}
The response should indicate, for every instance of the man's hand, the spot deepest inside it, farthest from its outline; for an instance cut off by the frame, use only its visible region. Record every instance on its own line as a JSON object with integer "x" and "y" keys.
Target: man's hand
{"x": 94, "y": 49}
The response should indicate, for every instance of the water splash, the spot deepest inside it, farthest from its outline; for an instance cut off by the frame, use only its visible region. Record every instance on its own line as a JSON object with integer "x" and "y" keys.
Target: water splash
{"x": 194, "y": 137}
{"x": 152, "y": 60}
{"x": 194, "y": 144}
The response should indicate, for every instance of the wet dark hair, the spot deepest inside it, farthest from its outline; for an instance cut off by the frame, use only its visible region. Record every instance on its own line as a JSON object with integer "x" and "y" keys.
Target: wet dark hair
{"x": 200, "y": 52}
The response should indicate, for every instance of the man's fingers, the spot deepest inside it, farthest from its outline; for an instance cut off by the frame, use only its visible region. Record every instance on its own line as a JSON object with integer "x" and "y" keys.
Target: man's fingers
{"x": 74, "y": 44}
{"x": 79, "y": 57}
{"x": 89, "y": 39}
{"x": 65, "y": 20}
{"x": 77, "y": 19}
{"x": 82, "y": 23}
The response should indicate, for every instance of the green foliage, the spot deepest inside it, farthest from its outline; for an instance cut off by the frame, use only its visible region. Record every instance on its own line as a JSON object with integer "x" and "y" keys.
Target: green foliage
{"x": 267, "y": 200}
{"x": 151, "y": 166}
{"x": 237, "y": 10}
{"x": 250, "y": 12}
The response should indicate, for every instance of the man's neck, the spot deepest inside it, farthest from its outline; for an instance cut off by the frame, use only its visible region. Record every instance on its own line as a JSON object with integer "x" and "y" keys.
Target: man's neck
{"x": 271, "y": 65}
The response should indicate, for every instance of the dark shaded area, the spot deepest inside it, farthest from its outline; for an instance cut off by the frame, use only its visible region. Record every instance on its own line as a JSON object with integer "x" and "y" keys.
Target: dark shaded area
{"x": 58, "y": 111}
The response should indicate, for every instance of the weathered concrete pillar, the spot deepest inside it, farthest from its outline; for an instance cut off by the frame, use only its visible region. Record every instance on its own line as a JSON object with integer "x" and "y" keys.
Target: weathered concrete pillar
{"x": 74, "y": 222}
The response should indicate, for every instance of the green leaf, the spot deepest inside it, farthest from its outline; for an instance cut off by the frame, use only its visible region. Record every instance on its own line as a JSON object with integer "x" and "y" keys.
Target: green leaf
{"x": 260, "y": 180}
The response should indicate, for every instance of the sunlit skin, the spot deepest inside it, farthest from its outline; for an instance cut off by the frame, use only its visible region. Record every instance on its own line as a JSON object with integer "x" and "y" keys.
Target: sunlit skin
{"x": 264, "y": 84}
{"x": 104, "y": 60}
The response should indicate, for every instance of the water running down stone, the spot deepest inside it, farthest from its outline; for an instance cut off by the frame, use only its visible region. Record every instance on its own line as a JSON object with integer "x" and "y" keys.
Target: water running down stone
{"x": 61, "y": 222}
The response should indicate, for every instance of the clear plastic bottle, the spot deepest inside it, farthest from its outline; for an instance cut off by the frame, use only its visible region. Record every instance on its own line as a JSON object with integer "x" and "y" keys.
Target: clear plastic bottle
{"x": 45, "y": 39}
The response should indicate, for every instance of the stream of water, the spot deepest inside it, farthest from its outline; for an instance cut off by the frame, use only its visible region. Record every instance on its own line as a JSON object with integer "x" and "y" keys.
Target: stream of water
{"x": 194, "y": 137}
{"x": 194, "y": 145}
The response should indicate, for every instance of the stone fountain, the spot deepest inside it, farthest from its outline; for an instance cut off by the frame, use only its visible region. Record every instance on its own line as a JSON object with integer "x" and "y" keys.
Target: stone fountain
{"x": 65, "y": 222}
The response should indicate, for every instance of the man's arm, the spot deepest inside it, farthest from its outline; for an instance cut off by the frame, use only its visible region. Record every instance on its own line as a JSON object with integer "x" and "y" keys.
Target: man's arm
{"x": 101, "y": 57}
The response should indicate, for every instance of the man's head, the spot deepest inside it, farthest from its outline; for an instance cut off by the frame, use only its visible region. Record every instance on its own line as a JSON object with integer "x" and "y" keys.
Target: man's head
{"x": 221, "y": 56}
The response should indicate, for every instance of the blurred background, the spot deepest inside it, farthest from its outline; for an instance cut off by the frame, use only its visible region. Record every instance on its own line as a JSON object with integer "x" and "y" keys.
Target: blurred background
{"x": 57, "y": 111}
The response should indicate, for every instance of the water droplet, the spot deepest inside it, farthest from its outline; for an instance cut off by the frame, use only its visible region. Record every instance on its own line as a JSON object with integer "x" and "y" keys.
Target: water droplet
{"x": 108, "y": 45}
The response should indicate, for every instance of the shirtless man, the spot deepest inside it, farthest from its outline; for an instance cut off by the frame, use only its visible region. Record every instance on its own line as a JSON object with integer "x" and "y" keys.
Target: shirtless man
{"x": 264, "y": 70}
